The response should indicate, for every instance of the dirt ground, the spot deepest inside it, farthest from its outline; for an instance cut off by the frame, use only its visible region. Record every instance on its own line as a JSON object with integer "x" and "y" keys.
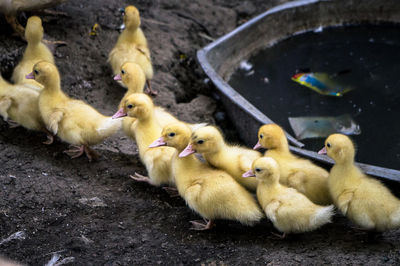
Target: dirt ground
{"x": 93, "y": 213}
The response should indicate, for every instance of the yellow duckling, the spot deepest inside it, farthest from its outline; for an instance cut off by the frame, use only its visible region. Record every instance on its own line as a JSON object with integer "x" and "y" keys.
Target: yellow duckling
{"x": 146, "y": 129}
{"x": 364, "y": 200}
{"x": 74, "y": 121}
{"x": 20, "y": 103}
{"x": 301, "y": 174}
{"x": 10, "y": 8}
{"x": 210, "y": 192}
{"x": 235, "y": 160}
{"x": 133, "y": 77}
{"x": 35, "y": 52}
{"x": 289, "y": 210}
{"x": 132, "y": 46}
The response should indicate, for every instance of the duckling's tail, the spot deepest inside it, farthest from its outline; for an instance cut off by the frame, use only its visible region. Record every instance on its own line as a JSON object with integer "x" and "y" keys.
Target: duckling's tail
{"x": 395, "y": 219}
{"x": 109, "y": 126}
{"x": 322, "y": 216}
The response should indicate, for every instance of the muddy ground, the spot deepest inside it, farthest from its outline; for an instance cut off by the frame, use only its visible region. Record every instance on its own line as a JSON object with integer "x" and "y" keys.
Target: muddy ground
{"x": 93, "y": 213}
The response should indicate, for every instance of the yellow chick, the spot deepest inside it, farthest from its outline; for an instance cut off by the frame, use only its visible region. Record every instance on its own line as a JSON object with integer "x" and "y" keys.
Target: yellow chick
{"x": 301, "y": 174}
{"x": 20, "y": 104}
{"x": 132, "y": 46}
{"x": 146, "y": 129}
{"x": 364, "y": 200}
{"x": 35, "y": 52}
{"x": 74, "y": 121}
{"x": 210, "y": 192}
{"x": 133, "y": 77}
{"x": 10, "y": 8}
{"x": 289, "y": 210}
{"x": 234, "y": 160}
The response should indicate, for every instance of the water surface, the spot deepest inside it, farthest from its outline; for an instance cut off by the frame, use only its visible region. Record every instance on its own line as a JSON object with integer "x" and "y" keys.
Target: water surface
{"x": 370, "y": 52}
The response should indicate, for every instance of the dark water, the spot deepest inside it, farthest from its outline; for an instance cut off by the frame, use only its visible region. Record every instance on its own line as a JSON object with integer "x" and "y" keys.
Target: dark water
{"x": 371, "y": 53}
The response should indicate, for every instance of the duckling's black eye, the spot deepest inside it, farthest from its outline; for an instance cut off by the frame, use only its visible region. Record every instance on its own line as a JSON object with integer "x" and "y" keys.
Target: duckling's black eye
{"x": 261, "y": 136}
{"x": 258, "y": 170}
{"x": 122, "y": 71}
{"x": 200, "y": 141}
{"x": 130, "y": 106}
{"x": 36, "y": 72}
{"x": 328, "y": 145}
{"x": 171, "y": 134}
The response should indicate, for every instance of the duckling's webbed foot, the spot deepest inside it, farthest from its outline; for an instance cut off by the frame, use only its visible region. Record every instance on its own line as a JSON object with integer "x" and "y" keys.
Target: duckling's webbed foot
{"x": 141, "y": 178}
{"x": 280, "y": 236}
{"x": 53, "y": 45}
{"x": 50, "y": 138}
{"x": 75, "y": 151}
{"x": 19, "y": 30}
{"x": 12, "y": 123}
{"x": 172, "y": 192}
{"x": 149, "y": 90}
{"x": 200, "y": 225}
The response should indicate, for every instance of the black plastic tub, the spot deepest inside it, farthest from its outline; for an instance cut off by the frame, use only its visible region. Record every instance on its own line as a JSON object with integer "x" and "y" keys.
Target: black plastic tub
{"x": 220, "y": 58}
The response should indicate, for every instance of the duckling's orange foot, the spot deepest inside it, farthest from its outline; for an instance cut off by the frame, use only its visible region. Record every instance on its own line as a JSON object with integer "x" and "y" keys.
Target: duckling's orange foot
{"x": 75, "y": 151}
{"x": 12, "y": 123}
{"x": 50, "y": 139}
{"x": 53, "y": 45}
{"x": 172, "y": 192}
{"x": 200, "y": 225}
{"x": 149, "y": 90}
{"x": 280, "y": 236}
{"x": 17, "y": 27}
{"x": 141, "y": 178}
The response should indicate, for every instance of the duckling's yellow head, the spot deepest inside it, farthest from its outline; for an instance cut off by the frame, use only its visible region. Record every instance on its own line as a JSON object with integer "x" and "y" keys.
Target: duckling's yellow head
{"x": 340, "y": 148}
{"x": 206, "y": 139}
{"x": 271, "y": 136}
{"x": 138, "y": 105}
{"x": 46, "y": 74}
{"x": 176, "y": 135}
{"x": 131, "y": 17}
{"x": 132, "y": 76}
{"x": 264, "y": 169}
{"x": 34, "y": 30}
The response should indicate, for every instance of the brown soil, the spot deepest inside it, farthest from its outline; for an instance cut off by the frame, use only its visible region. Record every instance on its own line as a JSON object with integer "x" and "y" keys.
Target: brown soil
{"x": 48, "y": 196}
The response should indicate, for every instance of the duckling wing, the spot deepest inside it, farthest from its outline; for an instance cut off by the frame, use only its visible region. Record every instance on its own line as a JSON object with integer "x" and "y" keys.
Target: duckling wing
{"x": 297, "y": 180}
{"x": 54, "y": 120}
{"x": 5, "y": 103}
{"x": 271, "y": 209}
{"x": 344, "y": 200}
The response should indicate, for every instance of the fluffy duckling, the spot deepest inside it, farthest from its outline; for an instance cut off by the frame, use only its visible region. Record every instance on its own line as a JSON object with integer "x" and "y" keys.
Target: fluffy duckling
{"x": 364, "y": 200}
{"x": 133, "y": 77}
{"x": 20, "y": 104}
{"x": 301, "y": 174}
{"x": 10, "y": 8}
{"x": 132, "y": 46}
{"x": 146, "y": 129}
{"x": 74, "y": 121}
{"x": 289, "y": 210}
{"x": 210, "y": 192}
{"x": 35, "y": 52}
{"x": 235, "y": 160}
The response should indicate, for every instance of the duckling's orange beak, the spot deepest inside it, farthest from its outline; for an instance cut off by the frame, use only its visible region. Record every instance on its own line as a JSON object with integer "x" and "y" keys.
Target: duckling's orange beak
{"x": 187, "y": 151}
{"x": 158, "y": 142}
{"x": 257, "y": 146}
{"x": 30, "y": 76}
{"x": 249, "y": 173}
{"x": 120, "y": 113}
{"x": 118, "y": 77}
{"x": 323, "y": 151}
